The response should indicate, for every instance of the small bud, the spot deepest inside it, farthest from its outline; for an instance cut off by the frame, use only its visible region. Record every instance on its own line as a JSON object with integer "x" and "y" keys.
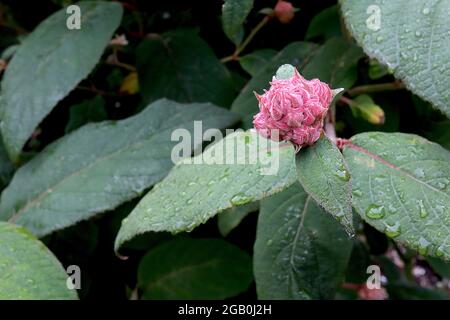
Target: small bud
{"x": 130, "y": 84}
{"x": 365, "y": 107}
{"x": 284, "y": 11}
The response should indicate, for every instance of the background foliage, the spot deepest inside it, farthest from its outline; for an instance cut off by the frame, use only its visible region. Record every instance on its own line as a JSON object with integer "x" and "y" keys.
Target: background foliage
{"x": 87, "y": 180}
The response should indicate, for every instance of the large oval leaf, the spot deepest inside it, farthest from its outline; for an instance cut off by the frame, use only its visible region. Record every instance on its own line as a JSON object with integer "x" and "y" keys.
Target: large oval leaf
{"x": 411, "y": 37}
{"x": 28, "y": 270}
{"x": 300, "y": 251}
{"x": 193, "y": 193}
{"x": 187, "y": 268}
{"x": 179, "y": 65}
{"x": 99, "y": 166}
{"x": 323, "y": 173}
{"x": 48, "y": 65}
{"x": 401, "y": 187}
{"x": 234, "y": 13}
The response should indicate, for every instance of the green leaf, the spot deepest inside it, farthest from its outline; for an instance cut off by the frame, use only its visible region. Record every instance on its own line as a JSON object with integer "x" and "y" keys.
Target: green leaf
{"x": 234, "y": 13}
{"x": 440, "y": 267}
{"x": 325, "y": 24}
{"x": 296, "y": 53}
{"x": 101, "y": 165}
{"x": 323, "y": 173}
{"x": 185, "y": 268}
{"x": 300, "y": 251}
{"x": 199, "y": 188}
{"x": 406, "y": 291}
{"x": 411, "y": 39}
{"x": 87, "y": 111}
{"x": 28, "y": 270}
{"x": 255, "y": 61}
{"x": 50, "y": 62}
{"x": 334, "y": 63}
{"x": 179, "y": 65}
{"x": 400, "y": 187}
{"x": 231, "y": 218}
{"x": 6, "y": 167}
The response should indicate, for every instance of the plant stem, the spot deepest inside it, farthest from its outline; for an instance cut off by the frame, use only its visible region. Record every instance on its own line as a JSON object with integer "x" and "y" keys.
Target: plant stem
{"x": 396, "y": 85}
{"x": 347, "y": 101}
{"x": 243, "y": 45}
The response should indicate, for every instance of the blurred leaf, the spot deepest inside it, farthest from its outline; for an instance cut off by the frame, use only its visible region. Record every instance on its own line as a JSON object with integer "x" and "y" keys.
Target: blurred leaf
{"x": 335, "y": 63}
{"x": 101, "y": 165}
{"x": 440, "y": 267}
{"x": 198, "y": 188}
{"x": 6, "y": 167}
{"x": 359, "y": 260}
{"x": 234, "y": 13}
{"x": 180, "y": 66}
{"x": 377, "y": 70}
{"x": 194, "y": 269}
{"x": 324, "y": 175}
{"x": 325, "y": 24}
{"x": 440, "y": 132}
{"x": 300, "y": 251}
{"x": 50, "y": 62}
{"x": 257, "y": 60}
{"x": 231, "y": 218}
{"x": 88, "y": 111}
{"x": 408, "y": 37}
{"x": 400, "y": 187}
{"x": 28, "y": 270}
{"x": 405, "y": 291}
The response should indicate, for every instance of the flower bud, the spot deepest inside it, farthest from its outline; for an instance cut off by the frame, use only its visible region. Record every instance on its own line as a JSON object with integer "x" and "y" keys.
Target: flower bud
{"x": 294, "y": 106}
{"x": 284, "y": 11}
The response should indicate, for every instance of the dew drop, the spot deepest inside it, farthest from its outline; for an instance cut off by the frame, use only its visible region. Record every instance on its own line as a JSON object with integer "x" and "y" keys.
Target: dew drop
{"x": 423, "y": 246}
{"x": 342, "y": 173}
{"x": 240, "y": 199}
{"x": 418, "y": 33}
{"x": 422, "y": 211}
{"x": 269, "y": 242}
{"x": 419, "y": 173}
{"x": 439, "y": 251}
{"x": 426, "y": 11}
{"x": 380, "y": 39}
{"x": 375, "y": 211}
{"x": 393, "y": 231}
{"x": 357, "y": 193}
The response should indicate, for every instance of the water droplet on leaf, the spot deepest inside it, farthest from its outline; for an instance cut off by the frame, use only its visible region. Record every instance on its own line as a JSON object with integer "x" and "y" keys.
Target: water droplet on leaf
{"x": 240, "y": 199}
{"x": 375, "y": 211}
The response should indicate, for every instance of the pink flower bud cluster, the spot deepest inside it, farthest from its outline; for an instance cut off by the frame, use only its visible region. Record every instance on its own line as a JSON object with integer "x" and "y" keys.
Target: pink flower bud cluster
{"x": 294, "y": 106}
